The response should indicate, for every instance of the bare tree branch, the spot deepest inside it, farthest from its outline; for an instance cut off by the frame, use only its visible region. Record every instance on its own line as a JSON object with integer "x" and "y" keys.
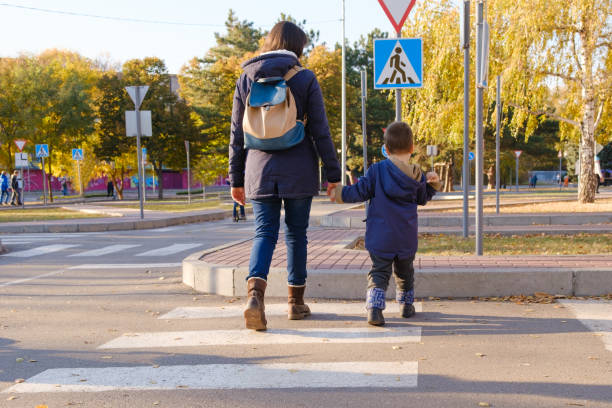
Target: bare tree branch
{"x": 604, "y": 44}
{"x": 576, "y": 58}
{"x": 548, "y": 113}
{"x": 563, "y": 76}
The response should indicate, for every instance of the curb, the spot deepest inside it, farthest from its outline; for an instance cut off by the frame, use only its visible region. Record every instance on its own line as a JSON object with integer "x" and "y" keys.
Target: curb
{"x": 350, "y": 222}
{"x": 116, "y": 225}
{"x": 228, "y": 280}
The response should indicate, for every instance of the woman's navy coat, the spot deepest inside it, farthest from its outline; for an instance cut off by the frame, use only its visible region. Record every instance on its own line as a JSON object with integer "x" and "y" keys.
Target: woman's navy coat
{"x": 291, "y": 173}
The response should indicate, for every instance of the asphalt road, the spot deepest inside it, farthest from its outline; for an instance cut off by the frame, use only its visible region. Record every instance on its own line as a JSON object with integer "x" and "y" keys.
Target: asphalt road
{"x": 103, "y": 320}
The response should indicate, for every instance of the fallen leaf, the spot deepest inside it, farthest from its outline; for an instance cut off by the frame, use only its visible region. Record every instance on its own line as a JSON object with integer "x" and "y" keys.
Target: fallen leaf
{"x": 182, "y": 386}
{"x": 11, "y": 398}
{"x": 396, "y": 347}
{"x": 480, "y": 354}
{"x": 156, "y": 403}
{"x": 293, "y": 370}
{"x": 575, "y": 404}
{"x": 593, "y": 358}
{"x": 19, "y": 360}
{"x": 42, "y": 406}
{"x": 484, "y": 404}
{"x": 19, "y": 380}
{"x": 155, "y": 365}
{"x": 162, "y": 278}
{"x": 106, "y": 357}
{"x": 526, "y": 364}
{"x": 33, "y": 361}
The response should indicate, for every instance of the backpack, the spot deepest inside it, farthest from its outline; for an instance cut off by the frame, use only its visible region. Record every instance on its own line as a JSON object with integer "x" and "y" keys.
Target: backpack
{"x": 270, "y": 116}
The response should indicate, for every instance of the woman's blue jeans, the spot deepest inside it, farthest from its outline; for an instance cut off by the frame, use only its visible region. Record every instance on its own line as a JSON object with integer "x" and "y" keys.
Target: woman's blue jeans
{"x": 267, "y": 223}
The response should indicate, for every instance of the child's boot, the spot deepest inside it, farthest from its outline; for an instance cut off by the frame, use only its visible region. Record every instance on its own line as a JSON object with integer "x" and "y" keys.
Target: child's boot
{"x": 375, "y": 303}
{"x": 405, "y": 300}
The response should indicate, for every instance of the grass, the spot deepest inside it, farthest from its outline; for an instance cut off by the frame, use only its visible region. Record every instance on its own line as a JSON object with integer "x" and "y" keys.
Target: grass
{"x": 450, "y": 245}
{"x": 600, "y": 205}
{"x": 179, "y": 206}
{"x": 43, "y": 214}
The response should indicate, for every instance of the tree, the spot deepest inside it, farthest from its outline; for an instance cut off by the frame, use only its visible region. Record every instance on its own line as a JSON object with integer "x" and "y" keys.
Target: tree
{"x": 565, "y": 46}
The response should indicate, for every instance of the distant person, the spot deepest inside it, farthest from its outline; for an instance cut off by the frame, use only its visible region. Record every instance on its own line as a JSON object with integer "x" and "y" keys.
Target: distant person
{"x": 394, "y": 188}
{"x": 64, "y": 183}
{"x": 110, "y": 189}
{"x": 535, "y": 180}
{"x": 4, "y": 184}
{"x": 566, "y": 180}
{"x": 16, "y": 195}
{"x": 283, "y": 171}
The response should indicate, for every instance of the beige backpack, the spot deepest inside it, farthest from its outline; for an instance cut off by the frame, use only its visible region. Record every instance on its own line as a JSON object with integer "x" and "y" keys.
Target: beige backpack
{"x": 270, "y": 116}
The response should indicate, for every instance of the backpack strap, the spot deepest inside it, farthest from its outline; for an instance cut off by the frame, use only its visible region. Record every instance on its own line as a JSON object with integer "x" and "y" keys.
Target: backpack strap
{"x": 292, "y": 71}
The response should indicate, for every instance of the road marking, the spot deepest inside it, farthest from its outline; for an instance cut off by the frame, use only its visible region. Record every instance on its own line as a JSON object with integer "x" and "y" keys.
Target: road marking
{"x": 105, "y": 250}
{"x": 127, "y": 266}
{"x": 277, "y": 309}
{"x": 396, "y": 335}
{"x": 25, "y": 240}
{"x": 169, "y": 250}
{"x": 595, "y": 315}
{"x": 46, "y": 249}
{"x": 352, "y": 374}
{"x": 44, "y": 275}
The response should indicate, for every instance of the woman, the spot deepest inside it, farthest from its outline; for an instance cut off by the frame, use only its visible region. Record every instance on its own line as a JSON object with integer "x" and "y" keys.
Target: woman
{"x": 280, "y": 177}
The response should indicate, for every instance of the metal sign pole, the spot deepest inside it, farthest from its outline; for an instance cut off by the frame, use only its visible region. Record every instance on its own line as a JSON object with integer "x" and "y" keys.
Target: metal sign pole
{"x": 139, "y": 155}
{"x": 44, "y": 182}
{"x": 398, "y": 94}
{"x": 21, "y": 193}
{"x": 80, "y": 181}
{"x": 466, "y": 115}
{"x": 497, "y": 143}
{"x": 188, "y": 173}
{"x": 479, "y": 128}
{"x": 364, "y": 96}
{"x": 560, "y": 164}
{"x": 517, "y": 172}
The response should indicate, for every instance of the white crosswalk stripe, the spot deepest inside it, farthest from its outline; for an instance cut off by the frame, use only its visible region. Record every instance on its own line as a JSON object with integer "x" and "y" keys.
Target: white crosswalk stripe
{"x": 404, "y": 334}
{"x": 105, "y": 250}
{"x": 42, "y": 250}
{"x": 595, "y": 315}
{"x": 391, "y": 374}
{"x": 169, "y": 250}
{"x": 274, "y": 309}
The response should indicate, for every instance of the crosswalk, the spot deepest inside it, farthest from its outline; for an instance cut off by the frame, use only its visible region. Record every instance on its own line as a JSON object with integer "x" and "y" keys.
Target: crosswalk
{"x": 161, "y": 251}
{"x": 398, "y": 373}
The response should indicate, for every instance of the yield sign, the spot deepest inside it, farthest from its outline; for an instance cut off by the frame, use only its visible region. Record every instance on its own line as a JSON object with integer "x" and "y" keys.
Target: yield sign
{"x": 518, "y": 153}
{"x": 137, "y": 96}
{"x": 397, "y": 11}
{"x": 20, "y": 143}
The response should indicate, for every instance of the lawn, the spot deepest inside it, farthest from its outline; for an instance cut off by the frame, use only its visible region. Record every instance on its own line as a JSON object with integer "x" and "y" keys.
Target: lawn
{"x": 178, "y": 206}
{"x": 600, "y": 205}
{"x": 43, "y": 214}
{"x": 450, "y": 245}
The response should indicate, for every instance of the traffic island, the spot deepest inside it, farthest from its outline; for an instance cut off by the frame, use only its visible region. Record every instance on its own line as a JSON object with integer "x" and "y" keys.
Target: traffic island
{"x": 337, "y": 271}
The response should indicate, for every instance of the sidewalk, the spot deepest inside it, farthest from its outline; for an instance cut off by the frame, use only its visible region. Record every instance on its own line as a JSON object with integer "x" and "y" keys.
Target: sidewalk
{"x": 337, "y": 272}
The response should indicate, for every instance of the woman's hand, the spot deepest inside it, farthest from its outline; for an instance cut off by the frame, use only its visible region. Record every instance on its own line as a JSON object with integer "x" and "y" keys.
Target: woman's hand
{"x": 238, "y": 195}
{"x": 331, "y": 190}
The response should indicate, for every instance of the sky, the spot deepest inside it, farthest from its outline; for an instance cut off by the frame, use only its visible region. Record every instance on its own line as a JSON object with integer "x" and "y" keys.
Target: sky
{"x": 32, "y": 31}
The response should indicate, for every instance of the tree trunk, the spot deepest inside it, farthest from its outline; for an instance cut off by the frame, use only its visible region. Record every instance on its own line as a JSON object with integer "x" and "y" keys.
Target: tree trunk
{"x": 588, "y": 183}
{"x": 160, "y": 181}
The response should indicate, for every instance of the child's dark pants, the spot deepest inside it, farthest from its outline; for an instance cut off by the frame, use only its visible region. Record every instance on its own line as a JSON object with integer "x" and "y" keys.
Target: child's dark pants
{"x": 379, "y": 275}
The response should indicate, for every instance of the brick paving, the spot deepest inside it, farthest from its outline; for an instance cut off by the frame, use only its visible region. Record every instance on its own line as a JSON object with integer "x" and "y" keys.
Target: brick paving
{"x": 326, "y": 251}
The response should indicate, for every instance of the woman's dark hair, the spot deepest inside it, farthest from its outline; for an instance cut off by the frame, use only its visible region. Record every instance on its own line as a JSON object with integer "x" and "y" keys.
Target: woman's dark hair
{"x": 286, "y": 36}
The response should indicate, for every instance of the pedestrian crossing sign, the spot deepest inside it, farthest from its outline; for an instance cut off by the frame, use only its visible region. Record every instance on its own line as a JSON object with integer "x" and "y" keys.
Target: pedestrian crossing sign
{"x": 42, "y": 150}
{"x": 398, "y": 63}
{"x": 77, "y": 154}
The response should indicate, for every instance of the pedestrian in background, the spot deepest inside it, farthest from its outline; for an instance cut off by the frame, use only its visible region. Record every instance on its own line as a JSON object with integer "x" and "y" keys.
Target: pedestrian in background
{"x": 64, "y": 183}
{"x": 16, "y": 194}
{"x": 286, "y": 176}
{"x": 4, "y": 184}
{"x": 110, "y": 189}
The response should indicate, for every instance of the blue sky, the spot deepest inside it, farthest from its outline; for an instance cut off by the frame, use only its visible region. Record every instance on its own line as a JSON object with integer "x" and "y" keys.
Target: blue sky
{"x": 30, "y": 31}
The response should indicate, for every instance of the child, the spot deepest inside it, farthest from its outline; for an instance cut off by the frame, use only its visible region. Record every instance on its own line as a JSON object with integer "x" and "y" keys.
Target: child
{"x": 394, "y": 187}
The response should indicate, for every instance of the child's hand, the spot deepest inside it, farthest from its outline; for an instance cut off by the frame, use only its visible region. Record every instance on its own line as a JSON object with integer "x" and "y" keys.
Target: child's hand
{"x": 432, "y": 177}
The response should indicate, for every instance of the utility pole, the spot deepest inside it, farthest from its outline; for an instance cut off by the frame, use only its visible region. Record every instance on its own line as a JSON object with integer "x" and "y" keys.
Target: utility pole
{"x": 188, "y": 173}
{"x": 497, "y": 142}
{"x": 343, "y": 94}
{"x": 364, "y": 97}
{"x": 465, "y": 44}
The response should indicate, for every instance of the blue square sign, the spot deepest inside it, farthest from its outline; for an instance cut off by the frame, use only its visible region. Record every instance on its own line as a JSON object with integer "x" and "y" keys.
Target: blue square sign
{"x": 398, "y": 63}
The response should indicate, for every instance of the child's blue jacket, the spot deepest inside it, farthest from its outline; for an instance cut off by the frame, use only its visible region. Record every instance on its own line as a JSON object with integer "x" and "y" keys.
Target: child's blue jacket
{"x": 392, "y": 224}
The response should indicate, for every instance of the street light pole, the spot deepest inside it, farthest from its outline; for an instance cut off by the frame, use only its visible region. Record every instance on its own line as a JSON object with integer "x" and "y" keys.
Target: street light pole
{"x": 139, "y": 155}
{"x": 479, "y": 126}
{"x": 497, "y": 143}
{"x": 465, "y": 43}
{"x": 343, "y": 95}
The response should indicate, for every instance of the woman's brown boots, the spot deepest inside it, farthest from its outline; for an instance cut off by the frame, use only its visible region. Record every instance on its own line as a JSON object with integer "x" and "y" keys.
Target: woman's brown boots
{"x": 297, "y": 309}
{"x": 254, "y": 314}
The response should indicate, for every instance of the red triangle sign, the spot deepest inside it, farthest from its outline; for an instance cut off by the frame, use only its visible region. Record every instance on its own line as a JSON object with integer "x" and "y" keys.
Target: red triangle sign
{"x": 20, "y": 143}
{"x": 397, "y": 11}
{"x": 518, "y": 153}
